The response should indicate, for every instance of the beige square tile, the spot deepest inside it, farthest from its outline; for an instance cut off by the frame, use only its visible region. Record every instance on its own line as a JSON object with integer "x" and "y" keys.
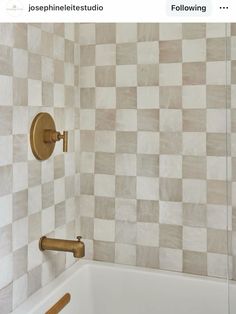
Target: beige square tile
{"x": 105, "y": 76}
{"x": 217, "y": 192}
{"x": 126, "y": 53}
{"x": 148, "y": 119}
{"x": 147, "y": 256}
{"x": 104, "y": 163}
{"x": 87, "y": 55}
{"x": 126, "y": 97}
{"x": 170, "y": 189}
{"x": 20, "y": 35}
{"x": 170, "y": 51}
{"x": 216, "y": 144}
{"x": 194, "y": 50}
{"x": 105, "y": 119}
{"x": 216, "y": 49}
{"x": 148, "y": 75}
{"x": 147, "y": 211}
{"x": 147, "y": 165}
{"x": 148, "y": 32}
{"x": 170, "y": 97}
{"x": 105, "y": 207}
{"x": 87, "y": 76}
{"x": 87, "y": 141}
{"x": 170, "y": 74}
{"x": 194, "y": 215}
{"x": 126, "y": 142}
{"x": 126, "y": 187}
{"x": 195, "y": 263}
{"x": 170, "y": 143}
{"x": 194, "y": 73}
{"x": 6, "y": 60}
{"x": 194, "y": 167}
{"x": 104, "y": 251}
{"x": 194, "y": 30}
{"x": 217, "y": 241}
{"x": 126, "y": 232}
{"x": 105, "y": 33}
{"x": 194, "y": 120}
{"x": 87, "y": 184}
{"x": 170, "y": 236}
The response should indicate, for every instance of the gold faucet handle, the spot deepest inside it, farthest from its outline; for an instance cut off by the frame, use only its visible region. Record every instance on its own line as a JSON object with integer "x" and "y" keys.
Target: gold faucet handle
{"x": 65, "y": 141}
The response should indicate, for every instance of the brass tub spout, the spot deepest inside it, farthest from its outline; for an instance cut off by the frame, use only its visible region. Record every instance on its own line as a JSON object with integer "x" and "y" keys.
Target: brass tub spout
{"x": 76, "y": 247}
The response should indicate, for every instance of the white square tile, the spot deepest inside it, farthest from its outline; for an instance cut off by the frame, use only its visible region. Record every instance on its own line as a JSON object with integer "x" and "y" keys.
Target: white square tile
{"x": 6, "y": 88}
{"x": 171, "y": 259}
{"x": 217, "y": 265}
{"x": 148, "y": 142}
{"x": 169, "y": 31}
{"x": 194, "y": 144}
{"x": 48, "y": 220}
{"x": 126, "y": 32}
{"x": 126, "y": 120}
{"x": 148, "y": 52}
{"x": 194, "y": 97}
{"x": 20, "y": 63}
{"x": 170, "y": 213}
{"x": 170, "y": 120}
{"x": 194, "y": 50}
{"x": 87, "y": 33}
{"x": 6, "y": 266}
{"x": 170, "y": 74}
{"x": 20, "y": 290}
{"x": 126, "y": 164}
{"x": 147, "y": 234}
{"x": 19, "y": 233}
{"x": 20, "y": 120}
{"x": 104, "y": 185}
{"x": 59, "y": 95}
{"x": 194, "y": 239}
{"x": 58, "y": 47}
{"x": 47, "y": 170}
{"x": 6, "y": 153}
{"x": 215, "y": 30}
{"x": 87, "y": 119}
{"x": 59, "y": 190}
{"x": 148, "y": 97}
{"x": 212, "y": 73}
{"x": 194, "y": 191}
{"x": 216, "y": 120}
{"x": 170, "y": 166}
{"x": 125, "y": 254}
{"x": 126, "y": 209}
{"x": 147, "y": 188}
{"x": 216, "y": 168}
{"x": 217, "y": 217}
{"x": 35, "y": 257}
{"x": 34, "y": 199}
{"x": 126, "y": 75}
{"x": 105, "y": 141}
{"x": 20, "y": 176}
{"x": 105, "y": 97}
{"x": 34, "y": 93}
{"x": 104, "y": 230}
{"x": 6, "y": 210}
{"x": 105, "y": 54}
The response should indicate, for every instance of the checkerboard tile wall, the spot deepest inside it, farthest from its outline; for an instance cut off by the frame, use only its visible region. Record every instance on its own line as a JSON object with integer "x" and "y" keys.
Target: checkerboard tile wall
{"x": 38, "y": 72}
{"x": 153, "y": 145}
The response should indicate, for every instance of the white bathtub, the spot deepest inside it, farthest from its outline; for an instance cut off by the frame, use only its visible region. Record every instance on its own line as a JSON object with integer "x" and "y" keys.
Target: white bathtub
{"x": 102, "y": 288}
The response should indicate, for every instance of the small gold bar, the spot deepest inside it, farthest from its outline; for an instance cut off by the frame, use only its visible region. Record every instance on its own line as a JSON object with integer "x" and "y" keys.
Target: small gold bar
{"x": 57, "y": 307}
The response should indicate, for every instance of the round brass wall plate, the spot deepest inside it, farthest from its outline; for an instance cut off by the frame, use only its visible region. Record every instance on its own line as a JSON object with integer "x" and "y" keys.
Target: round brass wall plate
{"x": 41, "y": 150}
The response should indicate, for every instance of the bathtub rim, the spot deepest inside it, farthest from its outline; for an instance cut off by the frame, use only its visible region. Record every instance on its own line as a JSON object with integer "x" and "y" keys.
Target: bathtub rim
{"x": 41, "y": 296}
